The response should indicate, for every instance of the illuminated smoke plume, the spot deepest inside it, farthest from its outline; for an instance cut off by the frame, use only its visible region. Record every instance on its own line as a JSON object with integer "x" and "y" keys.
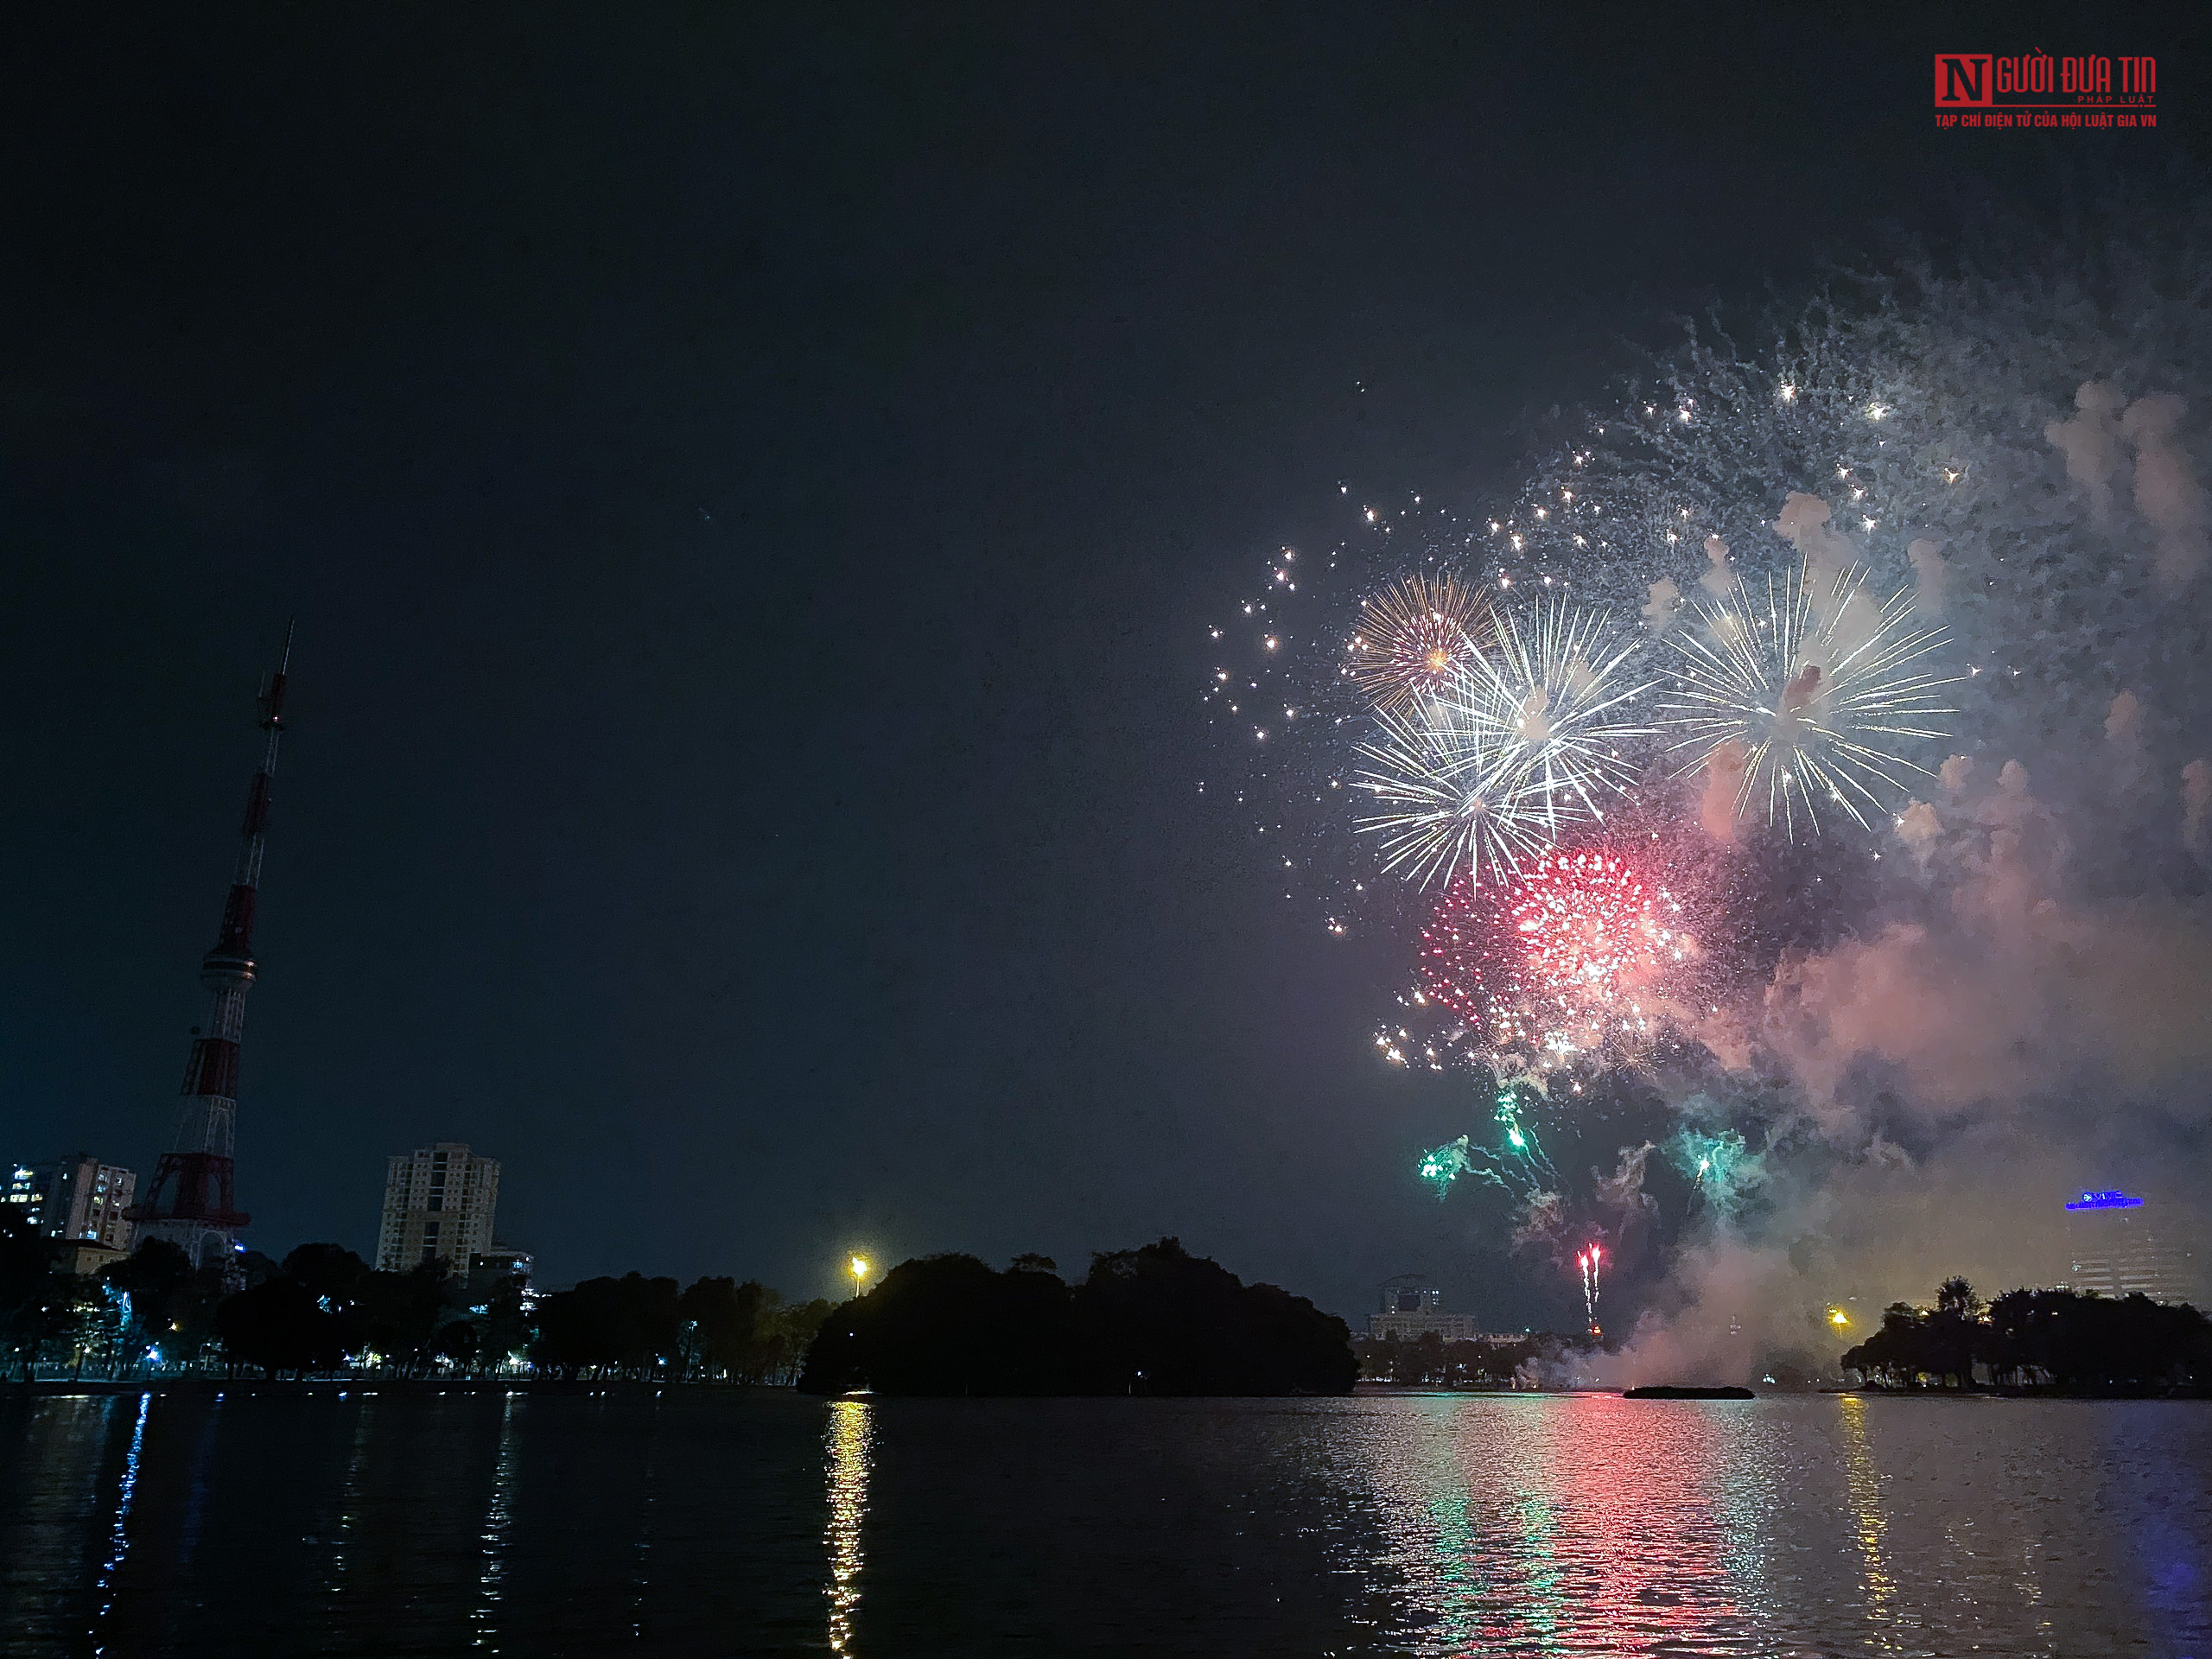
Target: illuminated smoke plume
{"x": 2166, "y": 489}
{"x": 2124, "y": 741}
{"x": 2196, "y": 810}
{"x": 1920, "y": 829}
{"x": 1719, "y": 577}
{"x": 1927, "y": 566}
{"x": 2090, "y": 441}
{"x": 1723, "y": 790}
{"x": 1803, "y": 524}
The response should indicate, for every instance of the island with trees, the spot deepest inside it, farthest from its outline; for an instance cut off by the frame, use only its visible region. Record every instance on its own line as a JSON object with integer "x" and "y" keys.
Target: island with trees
{"x": 1155, "y": 1320}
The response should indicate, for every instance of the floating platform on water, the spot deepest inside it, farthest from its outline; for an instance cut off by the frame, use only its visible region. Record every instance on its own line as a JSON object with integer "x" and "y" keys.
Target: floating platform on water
{"x": 1687, "y": 1394}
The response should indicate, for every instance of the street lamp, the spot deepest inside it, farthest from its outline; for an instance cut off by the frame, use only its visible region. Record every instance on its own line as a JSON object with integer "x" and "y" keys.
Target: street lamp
{"x": 857, "y": 1266}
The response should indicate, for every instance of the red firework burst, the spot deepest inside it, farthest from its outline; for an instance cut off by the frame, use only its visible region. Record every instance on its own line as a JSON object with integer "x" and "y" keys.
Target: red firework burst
{"x": 1557, "y": 962}
{"x": 1467, "y": 956}
{"x": 1590, "y": 930}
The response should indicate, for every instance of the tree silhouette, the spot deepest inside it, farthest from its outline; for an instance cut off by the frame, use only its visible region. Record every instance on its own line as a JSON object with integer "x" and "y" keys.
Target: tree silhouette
{"x": 1154, "y": 1320}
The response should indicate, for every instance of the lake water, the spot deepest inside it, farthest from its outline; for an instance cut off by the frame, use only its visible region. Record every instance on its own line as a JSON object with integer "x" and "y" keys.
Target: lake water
{"x": 721, "y": 1523}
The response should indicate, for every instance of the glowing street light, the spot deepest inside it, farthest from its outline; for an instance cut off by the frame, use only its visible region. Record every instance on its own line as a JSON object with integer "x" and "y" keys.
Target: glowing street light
{"x": 857, "y": 1266}
{"x": 1838, "y": 1317}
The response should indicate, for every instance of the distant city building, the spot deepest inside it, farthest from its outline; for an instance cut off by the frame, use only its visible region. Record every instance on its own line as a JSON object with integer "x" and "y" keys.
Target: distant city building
{"x": 78, "y": 1198}
{"x": 1412, "y": 1307}
{"x": 437, "y": 1206}
{"x": 2118, "y": 1246}
{"x": 1411, "y": 1292}
{"x": 86, "y": 1257}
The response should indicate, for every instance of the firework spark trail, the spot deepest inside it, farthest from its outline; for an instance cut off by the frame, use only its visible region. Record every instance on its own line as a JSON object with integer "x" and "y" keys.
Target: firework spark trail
{"x": 1518, "y": 1162}
{"x": 1521, "y": 1143}
{"x": 1720, "y": 1167}
{"x": 1799, "y": 697}
{"x": 1453, "y": 799}
{"x": 1522, "y": 742}
{"x": 1548, "y": 698}
{"x": 1589, "y": 1262}
{"x": 1414, "y": 635}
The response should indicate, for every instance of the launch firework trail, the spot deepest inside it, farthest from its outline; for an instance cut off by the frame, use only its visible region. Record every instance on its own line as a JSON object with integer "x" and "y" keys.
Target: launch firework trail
{"x": 1589, "y": 1261}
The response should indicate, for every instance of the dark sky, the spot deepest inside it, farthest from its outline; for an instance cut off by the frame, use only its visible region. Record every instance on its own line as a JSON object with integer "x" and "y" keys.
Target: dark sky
{"x": 753, "y": 491}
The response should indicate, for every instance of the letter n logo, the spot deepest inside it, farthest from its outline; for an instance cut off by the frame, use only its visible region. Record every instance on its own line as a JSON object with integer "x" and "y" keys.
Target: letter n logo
{"x": 1963, "y": 81}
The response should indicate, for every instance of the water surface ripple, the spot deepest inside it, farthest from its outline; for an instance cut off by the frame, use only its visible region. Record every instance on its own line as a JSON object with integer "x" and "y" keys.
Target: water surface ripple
{"x": 710, "y": 1522}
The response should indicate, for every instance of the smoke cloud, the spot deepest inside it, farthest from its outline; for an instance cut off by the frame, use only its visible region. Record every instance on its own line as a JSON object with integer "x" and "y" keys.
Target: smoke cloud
{"x": 2196, "y": 810}
{"x": 1928, "y": 567}
{"x": 1936, "y": 1027}
{"x": 1719, "y": 578}
{"x": 1723, "y": 780}
{"x": 2090, "y": 442}
{"x": 2166, "y": 491}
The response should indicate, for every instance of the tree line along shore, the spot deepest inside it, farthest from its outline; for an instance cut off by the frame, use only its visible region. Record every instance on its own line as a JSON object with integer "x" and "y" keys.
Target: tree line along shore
{"x": 322, "y": 1311}
{"x": 1150, "y": 1320}
{"x": 1154, "y": 1320}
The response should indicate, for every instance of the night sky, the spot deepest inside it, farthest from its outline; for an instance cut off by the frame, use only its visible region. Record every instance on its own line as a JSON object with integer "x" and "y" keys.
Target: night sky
{"x": 753, "y": 492}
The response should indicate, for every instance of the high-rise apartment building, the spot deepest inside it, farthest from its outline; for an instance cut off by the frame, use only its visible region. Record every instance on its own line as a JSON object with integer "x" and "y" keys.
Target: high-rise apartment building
{"x": 78, "y": 1198}
{"x": 2117, "y": 1245}
{"x": 437, "y": 1206}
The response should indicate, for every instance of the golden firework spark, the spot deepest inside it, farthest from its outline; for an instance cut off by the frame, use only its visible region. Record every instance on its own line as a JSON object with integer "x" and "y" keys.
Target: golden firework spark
{"x": 1412, "y": 637}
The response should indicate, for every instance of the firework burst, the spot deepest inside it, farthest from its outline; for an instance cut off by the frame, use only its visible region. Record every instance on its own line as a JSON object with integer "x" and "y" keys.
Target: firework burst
{"x": 1552, "y": 698}
{"x": 1453, "y": 800}
{"x": 1566, "y": 961}
{"x": 1524, "y": 741}
{"x": 1593, "y": 934}
{"x": 1414, "y": 637}
{"x": 1804, "y": 695}
{"x": 1446, "y": 1164}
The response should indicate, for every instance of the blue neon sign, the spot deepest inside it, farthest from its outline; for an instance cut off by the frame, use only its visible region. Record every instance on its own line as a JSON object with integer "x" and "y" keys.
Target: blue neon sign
{"x": 2114, "y": 1199}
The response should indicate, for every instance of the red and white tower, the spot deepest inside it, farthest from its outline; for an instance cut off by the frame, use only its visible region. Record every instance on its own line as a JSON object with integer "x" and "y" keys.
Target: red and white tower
{"x": 190, "y": 1201}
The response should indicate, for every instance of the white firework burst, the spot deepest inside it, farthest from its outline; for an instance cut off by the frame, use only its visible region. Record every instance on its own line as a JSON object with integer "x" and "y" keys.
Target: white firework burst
{"x": 1806, "y": 693}
{"x": 1555, "y": 696}
{"x": 1524, "y": 741}
{"x": 1451, "y": 799}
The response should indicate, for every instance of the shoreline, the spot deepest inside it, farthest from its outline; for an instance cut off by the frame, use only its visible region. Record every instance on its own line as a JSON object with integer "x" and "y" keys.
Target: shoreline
{"x": 340, "y": 1387}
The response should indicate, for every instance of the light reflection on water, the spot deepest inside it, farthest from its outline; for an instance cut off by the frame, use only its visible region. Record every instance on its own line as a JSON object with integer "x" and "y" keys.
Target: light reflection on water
{"x": 494, "y": 1536}
{"x": 847, "y": 1437}
{"x": 1522, "y": 1528}
{"x": 1868, "y": 1522}
{"x": 119, "y": 1535}
{"x": 760, "y": 1522}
